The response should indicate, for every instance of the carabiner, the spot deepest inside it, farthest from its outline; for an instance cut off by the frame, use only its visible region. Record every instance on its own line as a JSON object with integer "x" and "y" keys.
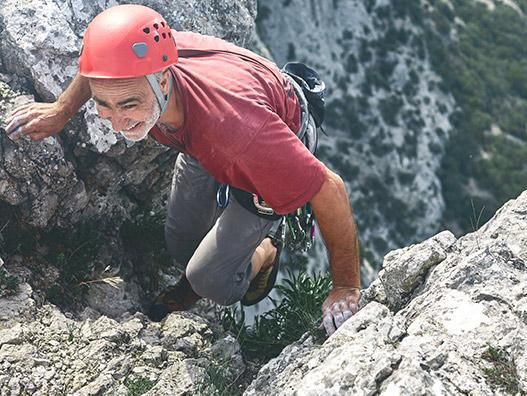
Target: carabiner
{"x": 222, "y": 196}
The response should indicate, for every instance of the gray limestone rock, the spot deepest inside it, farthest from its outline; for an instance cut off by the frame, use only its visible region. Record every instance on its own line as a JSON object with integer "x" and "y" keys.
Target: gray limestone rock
{"x": 20, "y": 304}
{"x": 445, "y": 317}
{"x": 113, "y": 297}
{"x": 36, "y": 177}
{"x": 48, "y": 353}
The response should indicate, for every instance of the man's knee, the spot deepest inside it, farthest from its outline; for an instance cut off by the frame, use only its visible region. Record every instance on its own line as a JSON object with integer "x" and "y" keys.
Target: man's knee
{"x": 224, "y": 289}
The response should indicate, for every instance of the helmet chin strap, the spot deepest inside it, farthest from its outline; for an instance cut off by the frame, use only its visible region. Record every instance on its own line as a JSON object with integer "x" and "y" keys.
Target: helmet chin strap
{"x": 161, "y": 99}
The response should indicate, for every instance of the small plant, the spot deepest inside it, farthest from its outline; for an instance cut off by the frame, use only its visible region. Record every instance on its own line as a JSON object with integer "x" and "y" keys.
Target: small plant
{"x": 502, "y": 375}
{"x": 475, "y": 219}
{"x": 74, "y": 253}
{"x": 8, "y": 283}
{"x": 298, "y": 312}
{"x": 219, "y": 381}
{"x": 73, "y": 332}
{"x": 138, "y": 386}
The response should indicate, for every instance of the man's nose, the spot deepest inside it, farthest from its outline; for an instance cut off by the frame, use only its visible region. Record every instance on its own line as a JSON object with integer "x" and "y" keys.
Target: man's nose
{"x": 118, "y": 122}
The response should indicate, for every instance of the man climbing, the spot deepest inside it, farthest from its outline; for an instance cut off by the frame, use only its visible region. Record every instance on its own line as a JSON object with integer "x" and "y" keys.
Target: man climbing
{"x": 234, "y": 118}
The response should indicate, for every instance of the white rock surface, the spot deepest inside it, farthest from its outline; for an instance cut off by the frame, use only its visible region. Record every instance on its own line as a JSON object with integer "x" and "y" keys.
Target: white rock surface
{"x": 444, "y": 317}
{"x": 52, "y": 354}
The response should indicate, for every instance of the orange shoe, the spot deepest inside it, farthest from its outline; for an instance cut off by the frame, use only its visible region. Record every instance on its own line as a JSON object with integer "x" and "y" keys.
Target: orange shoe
{"x": 264, "y": 281}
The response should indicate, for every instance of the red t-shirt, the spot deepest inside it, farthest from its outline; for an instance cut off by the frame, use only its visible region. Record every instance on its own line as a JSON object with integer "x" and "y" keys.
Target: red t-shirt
{"x": 240, "y": 115}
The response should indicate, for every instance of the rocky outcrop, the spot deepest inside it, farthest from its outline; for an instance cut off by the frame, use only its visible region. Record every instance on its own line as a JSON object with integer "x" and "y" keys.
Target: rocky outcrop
{"x": 37, "y": 179}
{"x": 445, "y": 316}
{"x": 49, "y": 353}
{"x": 387, "y": 120}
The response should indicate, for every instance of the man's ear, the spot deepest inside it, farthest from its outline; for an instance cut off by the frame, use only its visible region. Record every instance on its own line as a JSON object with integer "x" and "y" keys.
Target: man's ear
{"x": 164, "y": 82}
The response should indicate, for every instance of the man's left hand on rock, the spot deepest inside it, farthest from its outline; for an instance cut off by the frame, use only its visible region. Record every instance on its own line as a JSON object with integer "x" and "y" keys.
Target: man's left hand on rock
{"x": 340, "y": 305}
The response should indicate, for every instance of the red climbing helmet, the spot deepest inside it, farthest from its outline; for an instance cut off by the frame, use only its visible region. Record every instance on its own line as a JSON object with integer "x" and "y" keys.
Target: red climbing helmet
{"x": 127, "y": 41}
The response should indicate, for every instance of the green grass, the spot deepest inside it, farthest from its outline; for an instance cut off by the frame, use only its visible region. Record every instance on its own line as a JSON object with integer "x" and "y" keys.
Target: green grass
{"x": 298, "y": 312}
{"x": 138, "y": 386}
{"x": 502, "y": 374}
{"x": 8, "y": 283}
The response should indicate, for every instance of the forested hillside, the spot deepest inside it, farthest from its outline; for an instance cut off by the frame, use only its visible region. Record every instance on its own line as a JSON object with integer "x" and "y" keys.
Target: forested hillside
{"x": 480, "y": 53}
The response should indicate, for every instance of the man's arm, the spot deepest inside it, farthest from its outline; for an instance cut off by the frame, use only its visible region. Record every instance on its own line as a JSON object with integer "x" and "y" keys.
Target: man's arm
{"x": 335, "y": 220}
{"x": 40, "y": 120}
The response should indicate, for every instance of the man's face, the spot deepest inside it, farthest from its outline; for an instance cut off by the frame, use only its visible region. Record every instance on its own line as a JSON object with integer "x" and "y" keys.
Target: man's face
{"x": 129, "y": 104}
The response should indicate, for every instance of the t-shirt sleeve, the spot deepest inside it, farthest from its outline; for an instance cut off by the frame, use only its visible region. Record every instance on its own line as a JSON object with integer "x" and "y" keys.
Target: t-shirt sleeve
{"x": 281, "y": 169}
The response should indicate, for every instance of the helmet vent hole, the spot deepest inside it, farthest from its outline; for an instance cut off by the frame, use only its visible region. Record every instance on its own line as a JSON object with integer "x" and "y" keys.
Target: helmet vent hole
{"x": 156, "y": 39}
{"x": 146, "y": 30}
{"x": 169, "y": 34}
{"x": 156, "y": 26}
{"x": 164, "y": 35}
{"x": 163, "y": 24}
{"x": 165, "y": 58}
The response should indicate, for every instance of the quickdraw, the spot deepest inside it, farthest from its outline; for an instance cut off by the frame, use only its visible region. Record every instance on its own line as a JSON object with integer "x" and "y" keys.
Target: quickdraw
{"x": 300, "y": 229}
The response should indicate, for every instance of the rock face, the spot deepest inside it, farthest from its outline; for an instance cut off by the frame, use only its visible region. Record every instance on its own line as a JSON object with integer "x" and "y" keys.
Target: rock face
{"x": 387, "y": 118}
{"x": 445, "y": 316}
{"x": 51, "y": 354}
{"x": 39, "y": 181}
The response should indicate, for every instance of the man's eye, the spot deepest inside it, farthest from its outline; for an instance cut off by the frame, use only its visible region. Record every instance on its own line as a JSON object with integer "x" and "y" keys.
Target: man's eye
{"x": 129, "y": 106}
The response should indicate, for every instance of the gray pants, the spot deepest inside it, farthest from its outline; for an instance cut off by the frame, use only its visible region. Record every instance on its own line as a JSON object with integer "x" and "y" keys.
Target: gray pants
{"x": 215, "y": 245}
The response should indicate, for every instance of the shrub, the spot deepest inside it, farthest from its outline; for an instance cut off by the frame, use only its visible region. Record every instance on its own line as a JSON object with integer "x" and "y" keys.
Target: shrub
{"x": 8, "y": 283}
{"x": 138, "y": 386}
{"x": 502, "y": 374}
{"x": 297, "y": 313}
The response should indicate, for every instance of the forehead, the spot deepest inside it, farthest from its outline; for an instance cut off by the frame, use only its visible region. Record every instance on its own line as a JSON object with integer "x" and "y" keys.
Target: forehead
{"x": 122, "y": 87}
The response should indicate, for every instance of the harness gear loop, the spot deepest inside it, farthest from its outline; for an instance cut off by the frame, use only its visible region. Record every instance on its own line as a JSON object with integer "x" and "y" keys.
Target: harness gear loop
{"x": 261, "y": 206}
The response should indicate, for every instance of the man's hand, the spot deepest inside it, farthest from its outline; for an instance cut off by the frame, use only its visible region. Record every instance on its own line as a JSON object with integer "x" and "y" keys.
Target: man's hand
{"x": 36, "y": 120}
{"x": 340, "y": 305}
